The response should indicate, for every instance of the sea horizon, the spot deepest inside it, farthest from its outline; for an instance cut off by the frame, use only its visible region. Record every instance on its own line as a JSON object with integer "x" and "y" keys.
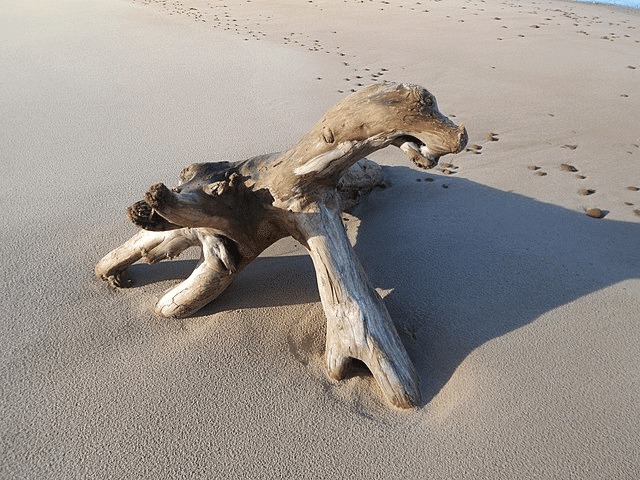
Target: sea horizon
{"x": 621, "y": 3}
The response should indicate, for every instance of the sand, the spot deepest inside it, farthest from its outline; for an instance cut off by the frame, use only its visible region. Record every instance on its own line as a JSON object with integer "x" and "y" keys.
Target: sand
{"x": 519, "y": 311}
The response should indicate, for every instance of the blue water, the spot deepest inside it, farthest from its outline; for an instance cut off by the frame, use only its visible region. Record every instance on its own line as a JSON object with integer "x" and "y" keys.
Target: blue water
{"x": 626, "y": 3}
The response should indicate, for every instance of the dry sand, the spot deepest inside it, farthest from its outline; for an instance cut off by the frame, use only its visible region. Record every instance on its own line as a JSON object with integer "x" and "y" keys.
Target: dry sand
{"x": 520, "y": 312}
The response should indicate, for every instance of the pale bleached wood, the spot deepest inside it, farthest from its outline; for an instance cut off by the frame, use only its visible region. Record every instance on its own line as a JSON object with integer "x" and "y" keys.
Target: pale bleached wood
{"x": 148, "y": 245}
{"x": 214, "y": 272}
{"x": 358, "y": 323}
{"x": 233, "y": 211}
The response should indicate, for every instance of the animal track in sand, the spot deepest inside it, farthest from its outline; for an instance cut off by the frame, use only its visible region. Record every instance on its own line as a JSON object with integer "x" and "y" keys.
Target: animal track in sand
{"x": 586, "y": 191}
{"x": 448, "y": 168}
{"x": 475, "y": 148}
{"x": 565, "y": 167}
{"x": 426, "y": 179}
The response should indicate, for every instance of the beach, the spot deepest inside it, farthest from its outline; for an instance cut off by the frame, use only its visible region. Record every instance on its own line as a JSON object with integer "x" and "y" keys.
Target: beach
{"x": 518, "y": 310}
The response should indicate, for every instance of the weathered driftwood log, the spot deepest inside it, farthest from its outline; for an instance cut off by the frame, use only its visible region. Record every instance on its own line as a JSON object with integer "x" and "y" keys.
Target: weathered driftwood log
{"x": 236, "y": 210}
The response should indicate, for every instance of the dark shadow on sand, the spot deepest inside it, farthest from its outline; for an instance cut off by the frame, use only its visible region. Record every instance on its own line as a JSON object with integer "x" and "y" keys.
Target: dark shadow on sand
{"x": 267, "y": 282}
{"x": 469, "y": 263}
{"x": 142, "y": 274}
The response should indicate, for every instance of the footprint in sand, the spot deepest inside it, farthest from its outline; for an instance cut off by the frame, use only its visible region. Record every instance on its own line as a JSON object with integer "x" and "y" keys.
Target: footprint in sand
{"x": 474, "y": 148}
{"x": 448, "y": 168}
{"x": 568, "y": 168}
{"x": 633, "y": 189}
{"x": 570, "y": 147}
{"x": 492, "y": 137}
{"x": 587, "y": 191}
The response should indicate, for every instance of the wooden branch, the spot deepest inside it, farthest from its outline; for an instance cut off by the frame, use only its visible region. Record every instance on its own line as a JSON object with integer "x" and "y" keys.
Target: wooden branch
{"x": 214, "y": 273}
{"x": 219, "y": 264}
{"x": 402, "y": 115}
{"x": 233, "y": 211}
{"x": 358, "y": 324}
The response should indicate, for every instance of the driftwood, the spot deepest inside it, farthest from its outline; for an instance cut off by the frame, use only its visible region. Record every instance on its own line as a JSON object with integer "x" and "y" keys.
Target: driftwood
{"x": 236, "y": 210}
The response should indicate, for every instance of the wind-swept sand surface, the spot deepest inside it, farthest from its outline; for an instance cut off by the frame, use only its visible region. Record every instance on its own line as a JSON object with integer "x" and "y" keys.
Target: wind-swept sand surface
{"x": 520, "y": 312}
